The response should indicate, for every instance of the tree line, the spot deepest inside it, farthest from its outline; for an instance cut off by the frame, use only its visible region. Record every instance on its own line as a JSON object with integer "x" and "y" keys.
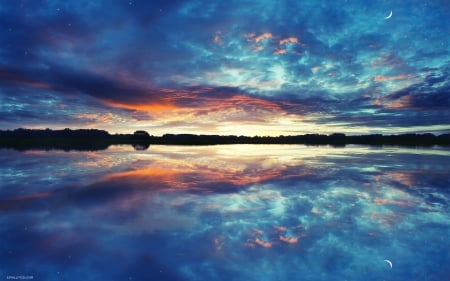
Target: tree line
{"x": 93, "y": 139}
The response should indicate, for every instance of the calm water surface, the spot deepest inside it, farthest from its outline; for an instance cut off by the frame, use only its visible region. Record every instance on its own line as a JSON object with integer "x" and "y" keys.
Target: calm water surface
{"x": 237, "y": 212}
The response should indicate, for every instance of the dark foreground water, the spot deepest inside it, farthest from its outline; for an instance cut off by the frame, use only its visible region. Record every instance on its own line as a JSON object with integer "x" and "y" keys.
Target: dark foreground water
{"x": 238, "y": 212}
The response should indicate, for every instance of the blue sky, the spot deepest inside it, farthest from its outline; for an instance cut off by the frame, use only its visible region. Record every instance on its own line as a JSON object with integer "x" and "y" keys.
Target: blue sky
{"x": 226, "y": 67}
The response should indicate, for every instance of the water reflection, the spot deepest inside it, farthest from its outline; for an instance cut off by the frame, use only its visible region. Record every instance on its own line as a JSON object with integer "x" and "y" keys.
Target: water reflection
{"x": 141, "y": 146}
{"x": 240, "y": 212}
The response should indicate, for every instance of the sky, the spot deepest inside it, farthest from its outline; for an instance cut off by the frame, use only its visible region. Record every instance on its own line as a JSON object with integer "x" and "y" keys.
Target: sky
{"x": 240, "y": 67}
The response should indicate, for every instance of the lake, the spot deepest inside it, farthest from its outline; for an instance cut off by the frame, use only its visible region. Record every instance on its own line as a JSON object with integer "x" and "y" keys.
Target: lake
{"x": 226, "y": 212}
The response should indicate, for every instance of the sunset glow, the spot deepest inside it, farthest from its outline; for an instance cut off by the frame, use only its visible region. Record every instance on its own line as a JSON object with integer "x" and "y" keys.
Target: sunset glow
{"x": 214, "y": 67}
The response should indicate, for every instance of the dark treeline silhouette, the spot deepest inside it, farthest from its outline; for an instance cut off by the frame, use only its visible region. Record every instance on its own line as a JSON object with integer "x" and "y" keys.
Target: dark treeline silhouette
{"x": 92, "y": 139}
{"x": 67, "y": 139}
{"x": 311, "y": 139}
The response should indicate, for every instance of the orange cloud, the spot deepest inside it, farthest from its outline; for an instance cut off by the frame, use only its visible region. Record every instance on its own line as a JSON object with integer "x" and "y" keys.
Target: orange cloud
{"x": 156, "y": 174}
{"x": 290, "y": 240}
{"x": 280, "y": 228}
{"x": 190, "y": 100}
{"x": 292, "y": 40}
{"x": 263, "y": 243}
{"x": 399, "y": 103}
{"x": 258, "y": 49}
{"x": 404, "y": 178}
{"x": 381, "y": 201}
{"x": 263, "y": 36}
{"x": 280, "y": 52}
{"x": 148, "y": 107}
{"x": 403, "y": 102}
{"x": 382, "y": 78}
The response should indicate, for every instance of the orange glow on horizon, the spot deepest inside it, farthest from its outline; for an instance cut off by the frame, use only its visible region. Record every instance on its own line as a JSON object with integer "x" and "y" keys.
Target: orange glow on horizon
{"x": 183, "y": 175}
{"x": 149, "y": 107}
{"x": 199, "y": 173}
{"x": 186, "y": 106}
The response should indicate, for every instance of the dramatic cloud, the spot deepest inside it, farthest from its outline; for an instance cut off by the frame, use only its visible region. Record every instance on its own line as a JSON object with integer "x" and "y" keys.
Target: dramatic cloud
{"x": 253, "y": 67}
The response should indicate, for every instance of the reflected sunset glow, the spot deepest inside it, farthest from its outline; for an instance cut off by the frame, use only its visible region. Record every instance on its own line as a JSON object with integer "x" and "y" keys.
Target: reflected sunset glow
{"x": 191, "y": 207}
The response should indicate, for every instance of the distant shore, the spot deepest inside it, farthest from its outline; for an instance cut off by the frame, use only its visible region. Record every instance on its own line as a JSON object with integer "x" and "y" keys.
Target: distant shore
{"x": 93, "y": 139}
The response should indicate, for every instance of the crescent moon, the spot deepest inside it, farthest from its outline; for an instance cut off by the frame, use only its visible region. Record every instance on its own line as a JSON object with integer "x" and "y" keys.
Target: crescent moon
{"x": 389, "y": 16}
{"x": 389, "y": 262}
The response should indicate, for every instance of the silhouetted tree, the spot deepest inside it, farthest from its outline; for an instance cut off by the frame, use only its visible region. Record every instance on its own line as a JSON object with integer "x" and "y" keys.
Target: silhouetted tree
{"x": 141, "y": 134}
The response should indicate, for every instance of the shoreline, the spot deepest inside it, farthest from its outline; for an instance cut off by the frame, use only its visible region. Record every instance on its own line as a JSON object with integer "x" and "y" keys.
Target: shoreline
{"x": 92, "y": 139}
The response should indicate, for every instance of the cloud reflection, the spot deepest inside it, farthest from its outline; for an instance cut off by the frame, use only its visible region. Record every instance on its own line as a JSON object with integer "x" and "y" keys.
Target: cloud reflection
{"x": 189, "y": 212}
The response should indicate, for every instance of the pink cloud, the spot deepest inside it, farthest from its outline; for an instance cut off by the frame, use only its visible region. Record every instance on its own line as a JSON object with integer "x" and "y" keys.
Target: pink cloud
{"x": 263, "y": 36}
{"x": 258, "y": 49}
{"x": 263, "y": 243}
{"x": 289, "y": 240}
{"x": 383, "y": 78}
{"x": 280, "y": 52}
{"x": 280, "y": 228}
{"x": 292, "y": 40}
